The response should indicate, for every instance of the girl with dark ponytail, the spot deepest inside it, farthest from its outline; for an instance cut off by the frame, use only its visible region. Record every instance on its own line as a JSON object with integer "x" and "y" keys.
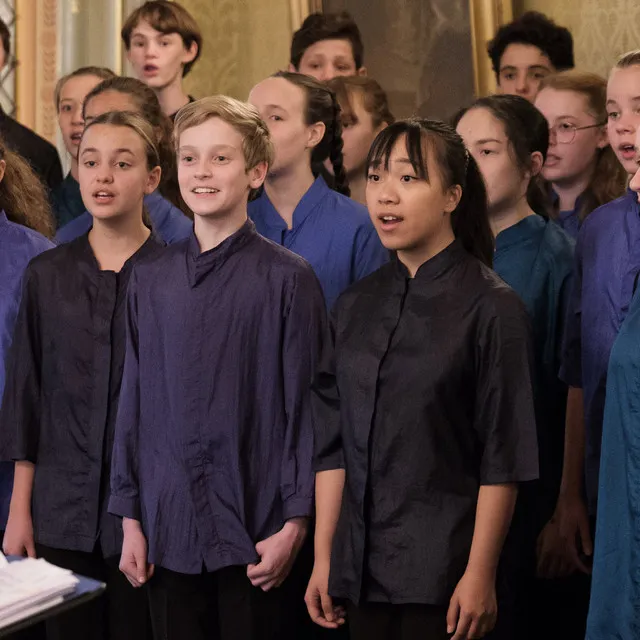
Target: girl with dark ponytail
{"x": 509, "y": 138}
{"x": 423, "y": 409}
{"x": 297, "y": 210}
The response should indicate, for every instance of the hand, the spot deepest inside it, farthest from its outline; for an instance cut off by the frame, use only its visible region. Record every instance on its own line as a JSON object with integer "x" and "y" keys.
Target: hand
{"x": 277, "y": 555}
{"x": 319, "y": 602}
{"x": 573, "y": 526}
{"x": 18, "y": 537}
{"x": 133, "y": 561}
{"x": 473, "y": 609}
{"x": 552, "y": 562}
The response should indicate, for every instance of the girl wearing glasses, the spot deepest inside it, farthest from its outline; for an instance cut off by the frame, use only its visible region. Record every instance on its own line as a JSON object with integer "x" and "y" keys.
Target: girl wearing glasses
{"x": 508, "y": 137}
{"x": 581, "y": 166}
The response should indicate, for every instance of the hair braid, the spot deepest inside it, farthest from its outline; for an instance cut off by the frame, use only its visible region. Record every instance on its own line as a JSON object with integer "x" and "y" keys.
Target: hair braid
{"x": 335, "y": 151}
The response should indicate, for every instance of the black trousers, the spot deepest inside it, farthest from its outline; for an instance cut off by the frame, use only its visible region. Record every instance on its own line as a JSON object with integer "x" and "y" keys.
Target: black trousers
{"x": 121, "y": 614}
{"x": 373, "y": 621}
{"x": 223, "y": 605}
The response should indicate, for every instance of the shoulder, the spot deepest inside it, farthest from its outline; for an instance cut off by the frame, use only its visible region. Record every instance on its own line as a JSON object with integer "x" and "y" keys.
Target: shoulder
{"x": 161, "y": 259}
{"x": 372, "y": 286}
{"x": 75, "y": 228}
{"x": 48, "y": 264}
{"x": 603, "y": 217}
{"x": 279, "y": 258}
{"x": 352, "y": 213}
{"x": 30, "y": 241}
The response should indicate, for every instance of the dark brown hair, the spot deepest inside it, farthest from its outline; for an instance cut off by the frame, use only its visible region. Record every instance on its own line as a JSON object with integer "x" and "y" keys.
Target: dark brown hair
{"x": 166, "y": 17}
{"x": 527, "y": 131}
{"x": 99, "y": 72}
{"x": 609, "y": 179}
{"x": 23, "y": 197}
{"x": 470, "y": 220}
{"x": 327, "y": 26}
{"x": 322, "y": 106}
{"x": 374, "y": 99}
{"x": 5, "y": 36}
{"x": 149, "y": 108}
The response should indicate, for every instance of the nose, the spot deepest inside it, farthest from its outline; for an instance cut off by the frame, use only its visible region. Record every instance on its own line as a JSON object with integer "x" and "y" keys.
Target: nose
{"x": 105, "y": 174}
{"x": 553, "y": 137}
{"x": 325, "y": 74}
{"x": 203, "y": 170}
{"x": 150, "y": 50}
{"x": 623, "y": 124}
{"x": 635, "y": 183}
{"x": 387, "y": 194}
{"x": 76, "y": 116}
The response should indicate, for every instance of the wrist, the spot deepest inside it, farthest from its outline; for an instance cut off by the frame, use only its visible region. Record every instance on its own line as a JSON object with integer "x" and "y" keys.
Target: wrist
{"x": 131, "y": 526}
{"x": 481, "y": 571}
{"x": 296, "y": 527}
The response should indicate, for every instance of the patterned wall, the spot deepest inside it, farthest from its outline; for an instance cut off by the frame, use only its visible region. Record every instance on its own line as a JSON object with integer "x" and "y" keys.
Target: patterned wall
{"x": 601, "y": 30}
{"x": 245, "y": 41}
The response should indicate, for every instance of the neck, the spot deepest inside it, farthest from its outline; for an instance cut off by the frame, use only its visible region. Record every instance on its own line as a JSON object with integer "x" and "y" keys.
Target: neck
{"x": 74, "y": 169}
{"x": 115, "y": 240}
{"x": 358, "y": 186}
{"x": 415, "y": 257}
{"x": 172, "y": 97}
{"x": 505, "y": 218}
{"x": 286, "y": 189}
{"x": 210, "y": 231}
{"x": 568, "y": 192}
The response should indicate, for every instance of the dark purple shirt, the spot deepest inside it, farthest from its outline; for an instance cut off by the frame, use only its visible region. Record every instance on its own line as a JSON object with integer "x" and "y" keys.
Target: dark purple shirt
{"x": 605, "y": 276}
{"x": 214, "y": 442}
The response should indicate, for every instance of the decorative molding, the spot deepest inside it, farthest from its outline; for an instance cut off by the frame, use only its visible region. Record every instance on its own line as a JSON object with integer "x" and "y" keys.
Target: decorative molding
{"x": 47, "y": 71}
{"x": 486, "y": 17}
{"x": 300, "y": 9}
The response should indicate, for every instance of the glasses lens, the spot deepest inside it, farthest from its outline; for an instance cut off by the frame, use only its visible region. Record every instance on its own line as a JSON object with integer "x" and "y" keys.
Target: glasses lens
{"x": 565, "y": 133}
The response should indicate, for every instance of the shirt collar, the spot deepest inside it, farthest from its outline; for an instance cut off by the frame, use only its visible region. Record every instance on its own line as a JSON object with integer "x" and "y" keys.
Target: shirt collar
{"x": 314, "y": 195}
{"x": 437, "y": 266}
{"x": 520, "y": 231}
{"x": 199, "y": 265}
{"x": 3, "y": 218}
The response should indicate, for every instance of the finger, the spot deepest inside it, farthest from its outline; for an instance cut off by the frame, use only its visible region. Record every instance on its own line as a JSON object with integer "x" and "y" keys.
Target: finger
{"x": 327, "y": 607}
{"x": 452, "y": 614}
{"x": 261, "y": 580}
{"x": 31, "y": 549}
{"x": 475, "y": 629}
{"x": 151, "y": 569}
{"x": 316, "y": 613}
{"x": 258, "y": 571}
{"x": 585, "y": 537}
{"x": 267, "y": 586}
{"x": 140, "y": 567}
{"x": 261, "y": 547}
{"x": 577, "y": 561}
{"x": 464, "y": 622}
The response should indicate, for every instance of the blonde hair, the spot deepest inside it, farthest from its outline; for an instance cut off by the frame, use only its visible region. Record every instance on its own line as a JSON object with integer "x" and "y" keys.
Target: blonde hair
{"x": 629, "y": 59}
{"x": 256, "y": 141}
{"x": 103, "y": 73}
{"x": 137, "y": 124}
{"x": 609, "y": 179}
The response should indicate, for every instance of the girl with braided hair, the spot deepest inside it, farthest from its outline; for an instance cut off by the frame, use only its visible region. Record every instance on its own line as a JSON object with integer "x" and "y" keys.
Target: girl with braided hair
{"x": 423, "y": 410}
{"x": 296, "y": 209}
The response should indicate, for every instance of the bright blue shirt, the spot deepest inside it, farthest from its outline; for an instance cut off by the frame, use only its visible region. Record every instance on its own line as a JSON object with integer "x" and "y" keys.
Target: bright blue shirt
{"x": 169, "y": 223}
{"x": 607, "y": 264}
{"x": 333, "y": 233}
{"x": 535, "y": 258}
{"x": 615, "y": 590}
{"x": 18, "y": 245}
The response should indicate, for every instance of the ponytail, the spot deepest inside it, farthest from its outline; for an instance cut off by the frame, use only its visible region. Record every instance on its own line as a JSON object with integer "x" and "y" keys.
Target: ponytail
{"x": 470, "y": 220}
{"x": 341, "y": 184}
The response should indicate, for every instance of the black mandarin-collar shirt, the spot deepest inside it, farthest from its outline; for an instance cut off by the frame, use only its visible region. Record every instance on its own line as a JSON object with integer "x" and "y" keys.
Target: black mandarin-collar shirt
{"x": 422, "y": 396}
{"x": 214, "y": 441}
{"x": 63, "y": 384}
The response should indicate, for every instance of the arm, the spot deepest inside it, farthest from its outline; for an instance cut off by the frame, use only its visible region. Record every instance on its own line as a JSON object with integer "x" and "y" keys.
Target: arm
{"x": 304, "y": 323}
{"x": 18, "y": 538}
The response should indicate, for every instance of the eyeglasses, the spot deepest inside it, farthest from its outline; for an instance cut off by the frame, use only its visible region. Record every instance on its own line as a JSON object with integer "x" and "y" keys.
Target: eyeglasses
{"x": 565, "y": 132}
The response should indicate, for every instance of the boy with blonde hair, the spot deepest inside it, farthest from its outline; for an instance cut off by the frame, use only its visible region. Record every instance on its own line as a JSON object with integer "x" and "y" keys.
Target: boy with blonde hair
{"x": 212, "y": 456}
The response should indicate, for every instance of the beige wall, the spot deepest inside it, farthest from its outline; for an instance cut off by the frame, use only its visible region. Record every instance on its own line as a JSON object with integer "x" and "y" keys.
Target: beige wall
{"x": 244, "y": 42}
{"x": 602, "y": 29}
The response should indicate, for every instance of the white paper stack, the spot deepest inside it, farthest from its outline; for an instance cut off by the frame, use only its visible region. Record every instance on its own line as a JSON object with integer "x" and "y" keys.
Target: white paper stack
{"x": 29, "y": 586}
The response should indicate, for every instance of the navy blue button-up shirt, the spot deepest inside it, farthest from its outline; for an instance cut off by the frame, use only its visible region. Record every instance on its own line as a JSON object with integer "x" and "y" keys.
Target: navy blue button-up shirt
{"x": 333, "y": 233}
{"x": 214, "y": 443}
{"x": 18, "y": 245}
{"x": 605, "y": 276}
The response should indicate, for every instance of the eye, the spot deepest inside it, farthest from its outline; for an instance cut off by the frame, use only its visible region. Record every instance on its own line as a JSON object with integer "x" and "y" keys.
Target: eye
{"x": 186, "y": 159}
{"x": 487, "y": 152}
{"x": 165, "y": 43}
{"x": 539, "y": 75}
{"x": 509, "y": 76}
{"x": 65, "y": 108}
{"x": 373, "y": 177}
{"x": 123, "y": 165}
{"x": 314, "y": 65}
{"x": 613, "y": 115}
{"x": 565, "y": 126}
{"x": 407, "y": 178}
{"x": 275, "y": 118}
{"x": 344, "y": 69}
{"x": 138, "y": 43}
{"x": 221, "y": 159}
{"x": 90, "y": 163}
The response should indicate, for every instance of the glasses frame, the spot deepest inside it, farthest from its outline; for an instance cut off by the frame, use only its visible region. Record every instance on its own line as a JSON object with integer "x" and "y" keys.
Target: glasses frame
{"x": 554, "y": 131}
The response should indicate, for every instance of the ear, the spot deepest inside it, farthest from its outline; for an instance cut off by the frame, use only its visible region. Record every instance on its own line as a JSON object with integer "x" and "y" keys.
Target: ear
{"x": 603, "y": 137}
{"x": 3, "y": 168}
{"x": 537, "y": 161}
{"x": 190, "y": 53}
{"x": 454, "y": 194}
{"x": 153, "y": 180}
{"x": 316, "y": 133}
{"x": 291, "y": 68}
{"x": 257, "y": 175}
{"x": 362, "y": 71}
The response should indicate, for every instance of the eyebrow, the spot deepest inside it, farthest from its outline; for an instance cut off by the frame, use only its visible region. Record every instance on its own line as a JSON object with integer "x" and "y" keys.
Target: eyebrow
{"x": 511, "y": 67}
{"x": 487, "y": 140}
{"x": 116, "y": 151}
{"x": 216, "y": 147}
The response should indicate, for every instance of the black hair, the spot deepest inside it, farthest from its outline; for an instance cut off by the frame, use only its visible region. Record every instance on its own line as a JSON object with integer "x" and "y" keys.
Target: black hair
{"x": 536, "y": 29}
{"x": 527, "y": 131}
{"x": 5, "y": 36}
{"x": 327, "y": 26}
{"x": 470, "y": 219}
{"x": 322, "y": 106}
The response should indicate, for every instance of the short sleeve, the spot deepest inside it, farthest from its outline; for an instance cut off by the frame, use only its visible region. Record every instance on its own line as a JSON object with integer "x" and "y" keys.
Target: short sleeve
{"x": 504, "y": 409}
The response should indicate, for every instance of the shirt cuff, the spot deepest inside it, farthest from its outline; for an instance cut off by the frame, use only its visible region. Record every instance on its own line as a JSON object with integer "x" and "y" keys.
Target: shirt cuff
{"x": 125, "y": 507}
{"x": 297, "y": 507}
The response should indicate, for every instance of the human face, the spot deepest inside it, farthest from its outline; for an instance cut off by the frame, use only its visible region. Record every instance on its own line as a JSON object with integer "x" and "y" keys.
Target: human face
{"x": 357, "y": 135}
{"x": 158, "y": 58}
{"x": 572, "y": 162}
{"x": 214, "y": 180}
{"x": 522, "y": 69}
{"x": 109, "y": 101}
{"x": 327, "y": 59}
{"x": 282, "y": 106}
{"x": 113, "y": 172}
{"x": 485, "y": 138}
{"x": 623, "y": 110}
{"x": 409, "y": 213}
{"x": 72, "y": 95}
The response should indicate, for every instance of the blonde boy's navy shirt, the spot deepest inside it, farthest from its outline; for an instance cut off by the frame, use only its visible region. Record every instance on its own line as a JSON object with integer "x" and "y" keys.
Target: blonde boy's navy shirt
{"x": 213, "y": 447}
{"x": 332, "y": 232}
